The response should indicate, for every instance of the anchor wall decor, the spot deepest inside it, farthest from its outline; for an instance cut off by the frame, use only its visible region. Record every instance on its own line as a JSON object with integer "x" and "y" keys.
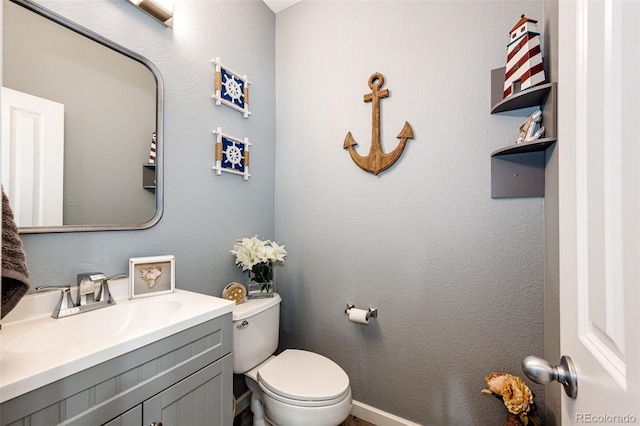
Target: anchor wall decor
{"x": 377, "y": 161}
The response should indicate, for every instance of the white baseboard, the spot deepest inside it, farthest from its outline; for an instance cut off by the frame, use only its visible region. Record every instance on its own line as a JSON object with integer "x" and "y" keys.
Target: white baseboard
{"x": 378, "y": 417}
{"x": 359, "y": 410}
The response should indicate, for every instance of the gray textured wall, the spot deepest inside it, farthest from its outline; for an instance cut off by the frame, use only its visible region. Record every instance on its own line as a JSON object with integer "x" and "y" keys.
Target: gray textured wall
{"x": 457, "y": 276}
{"x": 203, "y": 213}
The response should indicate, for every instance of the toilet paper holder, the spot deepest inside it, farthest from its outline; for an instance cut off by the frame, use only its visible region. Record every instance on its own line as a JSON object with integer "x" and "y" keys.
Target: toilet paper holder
{"x": 373, "y": 312}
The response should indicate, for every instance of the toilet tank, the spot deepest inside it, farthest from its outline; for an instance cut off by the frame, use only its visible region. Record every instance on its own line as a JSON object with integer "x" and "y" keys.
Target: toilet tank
{"x": 255, "y": 332}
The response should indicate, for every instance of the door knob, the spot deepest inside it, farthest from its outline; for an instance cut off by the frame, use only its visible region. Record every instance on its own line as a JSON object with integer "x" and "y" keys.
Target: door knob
{"x": 541, "y": 371}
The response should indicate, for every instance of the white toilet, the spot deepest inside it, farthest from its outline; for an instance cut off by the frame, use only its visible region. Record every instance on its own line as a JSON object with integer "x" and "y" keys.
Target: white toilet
{"x": 295, "y": 388}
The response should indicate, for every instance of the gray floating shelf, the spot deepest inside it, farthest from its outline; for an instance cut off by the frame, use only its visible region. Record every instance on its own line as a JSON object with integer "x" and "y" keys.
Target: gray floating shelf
{"x": 517, "y": 175}
{"x": 527, "y": 98}
{"x": 521, "y": 148}
{"x": 517, "y": 170}
{"x": 149, "y": 176}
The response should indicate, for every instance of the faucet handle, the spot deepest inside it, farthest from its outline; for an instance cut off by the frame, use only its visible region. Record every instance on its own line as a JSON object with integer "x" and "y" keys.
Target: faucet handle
{"x": 116, "y": 276}
{"x": 65, "y": 302}
{"x": 63, "y": 288}
{"x": 104, "y": 293}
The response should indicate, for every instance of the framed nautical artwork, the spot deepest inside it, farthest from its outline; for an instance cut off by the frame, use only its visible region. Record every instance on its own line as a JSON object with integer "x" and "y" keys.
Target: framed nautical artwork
{"x": 232, "y": 154}
{"x": 231, "y": 88}
{"x": 151, "y": 276}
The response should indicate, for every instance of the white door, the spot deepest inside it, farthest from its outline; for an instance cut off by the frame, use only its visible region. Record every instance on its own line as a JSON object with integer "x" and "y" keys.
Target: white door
{"x": 599, "y": 163}
{"x": 33, "y": 157}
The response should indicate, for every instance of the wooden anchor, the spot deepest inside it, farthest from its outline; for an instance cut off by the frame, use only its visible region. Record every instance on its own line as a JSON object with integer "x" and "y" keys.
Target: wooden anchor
{"x": 377, "y": 161}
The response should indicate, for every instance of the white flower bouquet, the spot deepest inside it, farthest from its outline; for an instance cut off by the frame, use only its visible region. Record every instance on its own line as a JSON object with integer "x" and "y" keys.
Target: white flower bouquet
{"x": 257, "y": 257}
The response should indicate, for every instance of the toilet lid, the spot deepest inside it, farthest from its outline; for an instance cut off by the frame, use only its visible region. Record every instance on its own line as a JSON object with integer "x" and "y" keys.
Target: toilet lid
{"x": 303, "y": 375}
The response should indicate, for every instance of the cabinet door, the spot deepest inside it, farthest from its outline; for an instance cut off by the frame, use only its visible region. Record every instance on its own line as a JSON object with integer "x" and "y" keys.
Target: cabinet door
{"x": 202, "y": 399}
{"x": 132, "y": 417}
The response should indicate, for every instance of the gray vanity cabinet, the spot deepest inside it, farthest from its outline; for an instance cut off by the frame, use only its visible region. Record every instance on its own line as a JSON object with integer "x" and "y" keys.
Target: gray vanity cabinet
{"x": 189, "y": 402}
{"x": 184, "y": 379}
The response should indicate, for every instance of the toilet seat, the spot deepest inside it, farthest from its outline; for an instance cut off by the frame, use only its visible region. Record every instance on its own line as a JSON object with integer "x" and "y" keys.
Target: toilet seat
{"x": 304, "y": 379}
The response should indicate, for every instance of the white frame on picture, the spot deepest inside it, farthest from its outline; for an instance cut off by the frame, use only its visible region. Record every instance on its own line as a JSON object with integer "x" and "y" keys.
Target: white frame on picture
{"x": 231, "y": 88}
{"x": 151, "y": 276}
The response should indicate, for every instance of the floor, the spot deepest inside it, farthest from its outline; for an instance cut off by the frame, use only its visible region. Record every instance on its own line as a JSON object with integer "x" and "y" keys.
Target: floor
{"x": 244, "y": 418}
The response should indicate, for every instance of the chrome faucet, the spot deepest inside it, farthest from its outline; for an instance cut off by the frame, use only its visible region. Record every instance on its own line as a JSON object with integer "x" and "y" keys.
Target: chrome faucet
{"x": 86, "y": 285}
{"x": 92, "y": 293}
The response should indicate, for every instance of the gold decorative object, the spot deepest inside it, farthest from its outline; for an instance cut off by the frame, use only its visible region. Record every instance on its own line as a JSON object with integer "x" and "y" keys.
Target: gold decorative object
{"x": 235, "y": 291}
{"x": 377, "y": 161}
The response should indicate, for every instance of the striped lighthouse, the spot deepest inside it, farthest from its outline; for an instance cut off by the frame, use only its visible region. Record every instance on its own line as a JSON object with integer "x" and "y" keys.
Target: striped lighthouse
{"x": 524, "y": 59}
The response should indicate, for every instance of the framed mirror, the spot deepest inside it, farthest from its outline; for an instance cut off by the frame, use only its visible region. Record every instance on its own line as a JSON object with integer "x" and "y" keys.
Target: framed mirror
{"x": 79, "y": 115}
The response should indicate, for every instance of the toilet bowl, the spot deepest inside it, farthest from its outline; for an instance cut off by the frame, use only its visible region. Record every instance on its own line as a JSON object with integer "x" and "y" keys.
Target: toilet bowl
{"x": 294, "y": 388}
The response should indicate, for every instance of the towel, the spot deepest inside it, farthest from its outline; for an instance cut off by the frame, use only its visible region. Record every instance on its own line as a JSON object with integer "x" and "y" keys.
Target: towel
{"x": 15, "y": 276}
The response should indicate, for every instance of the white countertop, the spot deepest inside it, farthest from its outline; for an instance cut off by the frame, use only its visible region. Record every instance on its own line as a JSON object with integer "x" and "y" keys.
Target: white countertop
{"x": 36, "y": 349}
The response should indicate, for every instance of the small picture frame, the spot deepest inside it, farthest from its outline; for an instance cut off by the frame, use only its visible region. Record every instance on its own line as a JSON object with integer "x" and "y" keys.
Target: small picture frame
{"x": 231, "y": 88}
{"x": 232, "y": 154}
{"x": 151, "y": 276}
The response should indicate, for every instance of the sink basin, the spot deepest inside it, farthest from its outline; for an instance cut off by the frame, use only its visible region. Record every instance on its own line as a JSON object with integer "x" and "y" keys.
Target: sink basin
{"x": 36, "y": 349}
{"x": 101, "y": 324}
{"x": 149, "y": 312}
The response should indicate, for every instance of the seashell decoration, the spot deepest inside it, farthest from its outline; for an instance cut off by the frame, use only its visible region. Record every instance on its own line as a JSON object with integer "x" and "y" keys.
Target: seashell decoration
{"x": 151, "y": 275}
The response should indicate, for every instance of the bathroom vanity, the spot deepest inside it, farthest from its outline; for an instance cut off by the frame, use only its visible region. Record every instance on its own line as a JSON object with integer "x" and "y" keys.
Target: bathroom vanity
{"x": 160, "y": 360}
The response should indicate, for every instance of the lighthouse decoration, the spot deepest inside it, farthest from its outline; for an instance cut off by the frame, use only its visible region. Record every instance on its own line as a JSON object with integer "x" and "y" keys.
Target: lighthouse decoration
{"x": 524, "y": 59}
